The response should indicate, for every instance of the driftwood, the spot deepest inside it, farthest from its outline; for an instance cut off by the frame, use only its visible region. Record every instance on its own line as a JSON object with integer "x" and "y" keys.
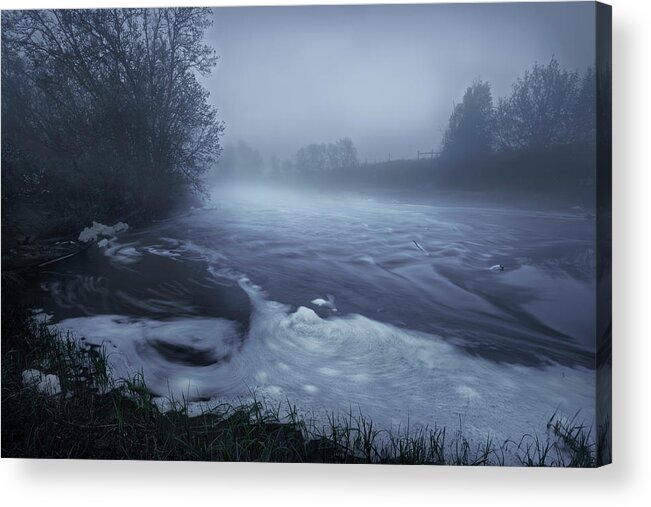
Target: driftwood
{"x": 420, "y": 247}
{"x": 38, "y": 254}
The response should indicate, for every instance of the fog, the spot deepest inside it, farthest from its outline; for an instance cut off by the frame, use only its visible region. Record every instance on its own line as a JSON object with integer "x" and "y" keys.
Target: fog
{"x": 385, "y": 76}
{"x": 288, "y": 242}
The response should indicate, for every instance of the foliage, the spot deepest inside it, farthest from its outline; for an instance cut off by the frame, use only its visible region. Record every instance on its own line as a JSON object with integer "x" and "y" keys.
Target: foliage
{"x": 105, "y": 107}
{"x": 548, "y": 106}
{"x": 470, "y": 128}
{"x": 540, "y": 139}
{"x": 321, "y": 159}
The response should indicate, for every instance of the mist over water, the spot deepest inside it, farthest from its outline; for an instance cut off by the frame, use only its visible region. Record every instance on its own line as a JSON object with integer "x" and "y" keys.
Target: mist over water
{"x": 340, "y": 302}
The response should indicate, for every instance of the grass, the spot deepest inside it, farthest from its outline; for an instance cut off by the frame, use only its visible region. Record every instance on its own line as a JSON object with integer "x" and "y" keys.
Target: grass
{"x": 97, "y": 417}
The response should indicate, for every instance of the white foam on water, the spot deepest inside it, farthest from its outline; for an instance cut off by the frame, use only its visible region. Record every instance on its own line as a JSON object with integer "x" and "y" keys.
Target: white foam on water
{"x": 326, "y": 303}
{"x": 162, "y": 252}
{"x": 338, "y": 364}
{"x": 122, "y": 253}
{"x": 133, "y": 346}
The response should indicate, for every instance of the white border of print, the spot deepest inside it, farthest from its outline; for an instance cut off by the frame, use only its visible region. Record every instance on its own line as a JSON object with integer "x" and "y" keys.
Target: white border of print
{"x": 626, "y": 482}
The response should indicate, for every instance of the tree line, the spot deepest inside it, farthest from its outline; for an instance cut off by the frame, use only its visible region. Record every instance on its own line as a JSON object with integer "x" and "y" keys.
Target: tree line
{"x": 548, "y": 106}
{"x": 102, "y": 111}
{"x": 313, "y": 161}
{"x": 541, "y": 137}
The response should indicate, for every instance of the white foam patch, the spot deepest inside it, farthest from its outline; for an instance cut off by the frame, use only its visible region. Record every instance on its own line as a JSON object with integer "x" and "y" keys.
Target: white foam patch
{"x": 98, "y": 230}
{"x": 131, "y": 347}
{"x": 327, "y": 303}
{"x": 162, "y": 252}
{"x": 132, "y": 252}
{"x": 43, "y": 383}
{"x": 125, "y": 253}
{"x": 343, "y": 363}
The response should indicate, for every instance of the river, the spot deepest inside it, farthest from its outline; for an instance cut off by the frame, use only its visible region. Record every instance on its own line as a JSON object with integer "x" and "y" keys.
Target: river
{"x": 340, "y": 303}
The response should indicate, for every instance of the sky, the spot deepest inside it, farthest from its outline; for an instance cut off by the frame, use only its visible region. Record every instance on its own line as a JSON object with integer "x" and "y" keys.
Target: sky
{"x": 385, "y": 76}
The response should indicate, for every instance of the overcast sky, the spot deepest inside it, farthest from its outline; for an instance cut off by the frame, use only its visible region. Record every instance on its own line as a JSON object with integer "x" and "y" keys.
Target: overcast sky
{"x": 386, "y": 76}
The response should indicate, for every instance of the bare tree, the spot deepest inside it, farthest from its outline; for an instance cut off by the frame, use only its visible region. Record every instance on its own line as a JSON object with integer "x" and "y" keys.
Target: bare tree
{"x": 114, "y": 94}
{"x": 541, "y": 110}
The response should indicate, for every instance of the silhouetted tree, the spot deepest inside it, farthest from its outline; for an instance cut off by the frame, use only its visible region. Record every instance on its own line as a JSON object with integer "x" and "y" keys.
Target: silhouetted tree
{"x": 543, "y": 108}
{"x": 112, "y": 98}
{"x": 312, "y": 159}
{"x": 469, "y": 133}
{"x": 319, "y": 159}
{"x": 585, "y": 109}
{"x": 342, "y": 155}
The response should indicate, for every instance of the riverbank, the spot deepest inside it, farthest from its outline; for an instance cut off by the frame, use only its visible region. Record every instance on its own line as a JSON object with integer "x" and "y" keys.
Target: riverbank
{"x": 85, "y": 413}
{"x": 46, "y": 243}
{"x": 34, "y": 235}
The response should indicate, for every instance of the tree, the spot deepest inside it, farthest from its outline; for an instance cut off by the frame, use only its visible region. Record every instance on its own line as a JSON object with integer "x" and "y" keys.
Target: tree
{"x": 469, "y": 133}
{"x": 113, "y": 97}
{"x": 312, "y": 159}
{"x": 542, "y": 108}
{"x": 342, "y": 155}
{"x": 584, "y": 125}
{"x": 319, "y": 159}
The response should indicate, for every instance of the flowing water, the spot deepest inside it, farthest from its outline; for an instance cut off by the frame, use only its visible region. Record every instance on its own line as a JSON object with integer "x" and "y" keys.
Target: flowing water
{"x": 345, "y": 303}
